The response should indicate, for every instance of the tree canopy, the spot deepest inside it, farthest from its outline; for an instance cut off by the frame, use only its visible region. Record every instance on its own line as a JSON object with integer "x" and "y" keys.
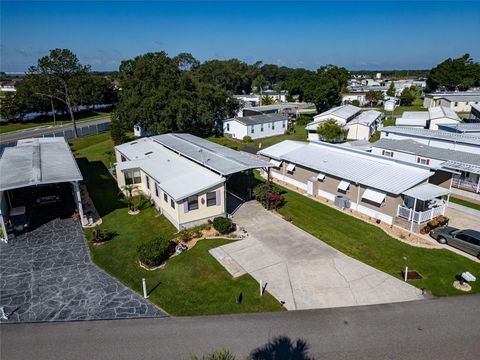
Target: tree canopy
{"x": 454, "y": 74}
{"x": 330, "y": 131}
{"x": 391, "y": 89}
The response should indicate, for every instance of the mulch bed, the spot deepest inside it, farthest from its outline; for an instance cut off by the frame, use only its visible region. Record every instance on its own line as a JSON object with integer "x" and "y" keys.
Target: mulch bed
{"x": 411, "y": 275}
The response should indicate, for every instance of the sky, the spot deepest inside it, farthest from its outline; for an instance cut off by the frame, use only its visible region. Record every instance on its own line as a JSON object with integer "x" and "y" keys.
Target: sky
{"x": 379, "y": 35}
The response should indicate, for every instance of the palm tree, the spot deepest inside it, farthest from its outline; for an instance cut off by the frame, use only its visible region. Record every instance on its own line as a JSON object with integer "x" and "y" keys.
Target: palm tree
{"x": 127, "y": 191}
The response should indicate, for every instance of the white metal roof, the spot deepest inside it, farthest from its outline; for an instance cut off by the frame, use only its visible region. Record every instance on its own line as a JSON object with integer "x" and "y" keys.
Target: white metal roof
{"x": 343, "y": 111}
{"x": 371, "y": 170}
{"x": 367, "y": 118}
{"x": 376, "y": 196}
{"x": 37, "y": 161}
{"x": 216, "y": 157}
{"x": 426, "y": 192}
{"x": 433, "y": 134}
{"x": 278, "y": 150}
{"x": 176, "y": 175}
{"x": 418, "y": 122}
{"x": 440, "y": 112}
{"x": 424, "y": 115}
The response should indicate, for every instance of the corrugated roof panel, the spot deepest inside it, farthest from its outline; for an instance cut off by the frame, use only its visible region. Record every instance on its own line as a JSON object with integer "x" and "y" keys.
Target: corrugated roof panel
{"x": 433, "y": 134}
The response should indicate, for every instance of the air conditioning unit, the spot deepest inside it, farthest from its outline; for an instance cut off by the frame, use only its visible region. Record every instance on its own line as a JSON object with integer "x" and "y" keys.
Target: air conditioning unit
{"x": 342, "y": 202}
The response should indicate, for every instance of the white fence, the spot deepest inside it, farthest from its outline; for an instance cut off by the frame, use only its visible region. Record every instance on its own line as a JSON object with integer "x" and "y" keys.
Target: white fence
{"x": 420, "y": 216}
{"x": 465, "y": 184}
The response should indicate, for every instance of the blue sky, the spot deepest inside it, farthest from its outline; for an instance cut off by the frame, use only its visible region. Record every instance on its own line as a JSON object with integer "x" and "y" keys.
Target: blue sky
{"x": 357, "y": 35}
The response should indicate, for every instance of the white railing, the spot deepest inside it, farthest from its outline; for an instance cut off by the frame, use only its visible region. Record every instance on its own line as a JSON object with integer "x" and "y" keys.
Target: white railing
{"x": 420, "y": 216}
{"x": 465, "y": 184}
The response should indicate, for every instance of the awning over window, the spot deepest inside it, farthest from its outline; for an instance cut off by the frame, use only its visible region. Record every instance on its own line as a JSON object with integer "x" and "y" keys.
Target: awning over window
{"x": 321, "y": 177}
{"x": 275, "y": 163}
{"x": 343, "y": 185}
{"x": 374, "y": 196}
{"x": 291, "y": 167}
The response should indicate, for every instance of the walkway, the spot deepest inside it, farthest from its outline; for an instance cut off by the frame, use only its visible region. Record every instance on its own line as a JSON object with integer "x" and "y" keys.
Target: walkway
{"x": 47, "y": 275}
{"x": 302, "y": 271}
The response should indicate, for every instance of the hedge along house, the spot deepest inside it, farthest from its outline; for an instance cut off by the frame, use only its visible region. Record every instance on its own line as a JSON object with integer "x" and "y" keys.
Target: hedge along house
{"x": 392, "y": 191}
{"x": 33, "y": 165}
{"x": 184, "y": 176}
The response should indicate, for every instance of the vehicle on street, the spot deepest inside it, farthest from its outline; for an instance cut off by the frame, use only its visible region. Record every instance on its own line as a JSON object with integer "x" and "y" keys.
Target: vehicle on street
{"x": 466, "y": 240}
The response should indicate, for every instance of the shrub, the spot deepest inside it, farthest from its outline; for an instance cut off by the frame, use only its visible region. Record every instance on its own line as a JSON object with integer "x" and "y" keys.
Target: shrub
{"x": 184, "y": 235}
{"x": 356, "y": 102}
{"x": 216, "y": 355}
{"x": 247, "y": 139}
{"x": 155, "y": 252}
{"x": 222, "y": 224}
{"x": 98, "y": 235}
{"x": 434, "y": 223}
{"x": 269, "y": 195}
{"x": 303, "y": 120}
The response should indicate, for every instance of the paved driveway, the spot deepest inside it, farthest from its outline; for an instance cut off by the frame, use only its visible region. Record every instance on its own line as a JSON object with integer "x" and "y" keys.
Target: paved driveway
{"x": 47, "y": 275}
{"x": 303, "y": 271}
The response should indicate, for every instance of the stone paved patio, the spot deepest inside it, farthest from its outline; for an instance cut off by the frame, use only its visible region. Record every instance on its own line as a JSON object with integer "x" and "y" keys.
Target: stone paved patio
{"x": 47, "y": 275}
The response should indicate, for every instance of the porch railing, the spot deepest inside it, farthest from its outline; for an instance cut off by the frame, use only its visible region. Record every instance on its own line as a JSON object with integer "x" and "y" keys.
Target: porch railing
{"x": 420, "y": 216}
{"x": 465, "y": 184}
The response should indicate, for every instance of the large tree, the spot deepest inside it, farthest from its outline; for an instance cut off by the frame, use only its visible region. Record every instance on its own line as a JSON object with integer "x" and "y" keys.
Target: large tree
{"x": 166, "y": 94}
{"x": 374, "y": 97}
{"x": 454, "y": 74}
{"x": 55, "y": 77}
{"x": 391, "y": 89}
{"x": 331, "y": 131}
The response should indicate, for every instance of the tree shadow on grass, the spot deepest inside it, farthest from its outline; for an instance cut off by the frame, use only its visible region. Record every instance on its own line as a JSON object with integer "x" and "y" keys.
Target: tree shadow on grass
{"x": 101, "y": 186}
{"x": 283, "y": 348}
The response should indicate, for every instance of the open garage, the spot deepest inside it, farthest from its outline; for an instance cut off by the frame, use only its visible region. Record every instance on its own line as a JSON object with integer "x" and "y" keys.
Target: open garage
{"x": 39, "y": 183}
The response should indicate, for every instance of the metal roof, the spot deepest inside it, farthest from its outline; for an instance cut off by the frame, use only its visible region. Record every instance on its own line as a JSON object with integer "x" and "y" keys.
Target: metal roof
{"x": 433, "y": 134}
{"x": 426, "y": 192}
{"x": 258, "y": 119}
{"x": 364, "y": 145}
{"x": 278, "y": 107}
{"x": 440, "y": 112}
{"x": 456, "y": 98}
{"x": 343, "y": 111}
{"x": 418, "y": 122}
{"x": 278, "y": 150}
{"x": 360, "y": 167}
{"x": 461, "y": 127}
{"x": 216, "y": 157}
{"x": 424, "y": 115}
{"x": 176, "y": 175}
{"x": 367, "y": 118}
{"x": 37, "y": 161}
{"x": 414, "y": 147}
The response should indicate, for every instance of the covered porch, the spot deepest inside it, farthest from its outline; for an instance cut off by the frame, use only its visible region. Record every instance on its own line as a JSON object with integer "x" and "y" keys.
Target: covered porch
{"x": 422, "y": 203}
{"x": 467, "y": 176}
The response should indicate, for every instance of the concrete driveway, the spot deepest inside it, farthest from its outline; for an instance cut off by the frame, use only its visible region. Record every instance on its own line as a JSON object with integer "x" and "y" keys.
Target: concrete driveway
{"x": 302, "y": 271}
{"x": 47, "y": 275}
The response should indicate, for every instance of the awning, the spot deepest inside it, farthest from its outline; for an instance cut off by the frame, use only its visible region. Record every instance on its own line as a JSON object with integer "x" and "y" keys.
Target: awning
{"x": 291, "y": 167}
{"x": 426, "y": 192}
{"x": 374, "y": 196}
{"x": 321, "y": 177}
{"x": 343, "y": 185}
{"x": 275, "y": 163}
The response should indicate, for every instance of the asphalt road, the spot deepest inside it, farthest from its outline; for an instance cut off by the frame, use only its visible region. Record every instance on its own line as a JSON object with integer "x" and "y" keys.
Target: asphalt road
{"x": 49, "y": 129}
{"x": 446, "y": 328}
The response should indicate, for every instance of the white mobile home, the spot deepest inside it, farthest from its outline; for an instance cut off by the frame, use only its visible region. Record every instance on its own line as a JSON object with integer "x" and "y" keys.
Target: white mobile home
{"x": 364, "y": 125}
{"x": 257, "y": 126}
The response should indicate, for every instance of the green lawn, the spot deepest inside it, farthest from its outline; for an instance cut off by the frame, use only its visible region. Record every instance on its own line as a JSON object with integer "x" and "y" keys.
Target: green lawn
{"x": 466, "y": 203}
{"x": 16, "y": 126}
{"x": 193, "y": 283}
{"x": 299, "y": 135}
{"x": 369, "y": 244}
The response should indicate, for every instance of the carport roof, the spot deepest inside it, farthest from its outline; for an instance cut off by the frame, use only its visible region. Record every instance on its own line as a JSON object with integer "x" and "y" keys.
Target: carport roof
{"x": 218, "y": 158}
{"x": 37, "y": 161}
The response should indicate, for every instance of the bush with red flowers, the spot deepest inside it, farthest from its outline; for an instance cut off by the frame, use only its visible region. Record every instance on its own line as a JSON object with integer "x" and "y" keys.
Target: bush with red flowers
{"x": 269, "y": 195}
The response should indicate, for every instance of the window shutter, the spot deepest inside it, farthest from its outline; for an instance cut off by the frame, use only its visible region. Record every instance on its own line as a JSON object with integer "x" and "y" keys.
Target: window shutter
{"x": 418, "y": 160}
{"x": 428, "y": 161}
{"x": 218, "y": 198}
{"x": 185, "y": 206}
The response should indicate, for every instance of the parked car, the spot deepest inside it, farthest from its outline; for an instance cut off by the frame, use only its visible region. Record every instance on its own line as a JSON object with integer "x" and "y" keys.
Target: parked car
{"x": 19, "y": 219}
{"x": 466, "y": 240}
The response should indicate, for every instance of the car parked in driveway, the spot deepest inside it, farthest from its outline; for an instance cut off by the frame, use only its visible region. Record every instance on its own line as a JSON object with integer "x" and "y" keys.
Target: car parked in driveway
{"x": 466, "y": 240}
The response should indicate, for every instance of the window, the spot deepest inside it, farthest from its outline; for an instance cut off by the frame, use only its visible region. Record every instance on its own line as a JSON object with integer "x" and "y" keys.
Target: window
{"x": 387, "y": 153}
{"x": 463, "y": 237}
{"x": 283, "y": 124}
{"x": 192, "y": 203}
{"x": 165, "y": 197}
{"x": 261, "y": 127}
{"x": 148, "y": 182}
{"x": 211, "y": 198}
{"x": 156, "y": 190}
{"x": 273, "y": 126}
{"x": 423, "y": 161}
{"x": 253, "y": 129}
{"x": 455, "y": 104}
{"x": 132, "y": 177}
{"x": 228, "y": 127}
{"x": 172, "y": 203}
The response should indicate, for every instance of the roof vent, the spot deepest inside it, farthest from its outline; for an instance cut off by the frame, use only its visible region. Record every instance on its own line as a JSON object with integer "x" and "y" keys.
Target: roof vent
{"x": 148, "y": 153}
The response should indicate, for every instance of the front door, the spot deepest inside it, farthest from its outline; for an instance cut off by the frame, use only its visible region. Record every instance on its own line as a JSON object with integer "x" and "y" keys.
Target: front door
{"x": 310, "y": 187}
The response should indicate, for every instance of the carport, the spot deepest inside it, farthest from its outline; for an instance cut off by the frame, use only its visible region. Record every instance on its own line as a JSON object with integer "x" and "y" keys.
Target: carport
{"x": 33, "y": 163}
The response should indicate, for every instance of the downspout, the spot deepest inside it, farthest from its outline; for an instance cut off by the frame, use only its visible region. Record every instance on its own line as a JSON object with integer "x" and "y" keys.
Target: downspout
{"x": 358, "y": 195}
{"x": 413, "y": 214}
